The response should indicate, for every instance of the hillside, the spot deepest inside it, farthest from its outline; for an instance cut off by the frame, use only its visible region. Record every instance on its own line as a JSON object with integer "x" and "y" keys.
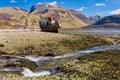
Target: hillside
{"x": 96, "y": 18}
{"x": 108, "y": 22}
{"x": 110, "y": 19}
{"x": 7, "y": 17}
{"x": 19, "y": 18}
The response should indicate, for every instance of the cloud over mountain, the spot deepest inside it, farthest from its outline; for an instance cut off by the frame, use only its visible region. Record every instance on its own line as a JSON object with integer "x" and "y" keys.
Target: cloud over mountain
{"x": 100, "y": 4}
{"x": 54, "y": 3}
{"x": 13, "y": 1}
{"x": 114, "y": 12}
{"x": 81, "y": 9}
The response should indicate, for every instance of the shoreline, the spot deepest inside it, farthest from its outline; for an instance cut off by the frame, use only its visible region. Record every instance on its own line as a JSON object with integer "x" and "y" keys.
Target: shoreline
{"x": 100, "y": 33}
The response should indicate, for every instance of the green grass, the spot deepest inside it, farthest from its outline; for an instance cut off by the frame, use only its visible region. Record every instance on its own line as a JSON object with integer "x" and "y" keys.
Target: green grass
{"x": 45, "y": 43}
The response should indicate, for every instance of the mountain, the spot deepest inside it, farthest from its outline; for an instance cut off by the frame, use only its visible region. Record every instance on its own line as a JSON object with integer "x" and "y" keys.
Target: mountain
{"x": 110, "y": 19}
{"x": 67, "y": 18}
{"x": 19, "y": 18}
{"x": 7, "y": 17}
{"x": 109, "y": 22}
{"x": 41, "y": 7}
{"x": 81, "y": 16}
{"x": 6, "y": 13}
{"x": 95, "y": 18}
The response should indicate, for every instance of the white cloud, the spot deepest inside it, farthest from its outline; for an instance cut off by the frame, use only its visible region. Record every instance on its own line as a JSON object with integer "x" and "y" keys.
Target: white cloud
{"x": 117, "y": 11}
{"x": 13, "y": 1}
{"x": 39, "y": 3}
{"x": 100, "y": 4}
{"x": 81, "y": 9}
{"x": 54, "y": 3}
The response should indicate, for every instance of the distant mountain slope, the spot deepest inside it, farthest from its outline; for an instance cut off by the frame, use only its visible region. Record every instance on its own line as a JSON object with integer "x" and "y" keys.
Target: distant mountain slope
{"x": 109, "y": 22}
{"x": 81, "y": 16}
{"x": 6, "y": 13}
{"x": 41, "y": 7}
{"x": 19, "y": 18}
{"x": 110, "y": 19}
{"x": 68, "y": 18}
{"x": 95, "y": 18}
{"x": 65, "y": 17}
{"x": 6, "y": 17}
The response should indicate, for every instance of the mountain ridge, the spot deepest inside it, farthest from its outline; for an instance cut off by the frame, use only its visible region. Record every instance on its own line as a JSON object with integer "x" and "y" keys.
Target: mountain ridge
{"x": 96, "y": 18}
{"x": 18, "y": 18}
{"x": 108, "y": 22}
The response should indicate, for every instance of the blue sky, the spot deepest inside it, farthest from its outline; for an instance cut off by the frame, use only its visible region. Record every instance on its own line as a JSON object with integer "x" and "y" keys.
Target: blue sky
{"x": 87, "y": 7}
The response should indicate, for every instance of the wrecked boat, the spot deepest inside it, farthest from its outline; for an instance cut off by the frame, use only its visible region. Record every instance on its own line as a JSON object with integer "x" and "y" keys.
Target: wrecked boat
{"x": 49, "y": 25}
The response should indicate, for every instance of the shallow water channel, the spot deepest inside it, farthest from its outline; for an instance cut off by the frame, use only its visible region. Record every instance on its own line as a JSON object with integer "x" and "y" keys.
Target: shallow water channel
{"x": 49, "y": 65}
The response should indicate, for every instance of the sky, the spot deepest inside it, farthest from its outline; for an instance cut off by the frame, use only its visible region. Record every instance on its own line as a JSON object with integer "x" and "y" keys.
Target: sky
{"x": 87, "y": 7}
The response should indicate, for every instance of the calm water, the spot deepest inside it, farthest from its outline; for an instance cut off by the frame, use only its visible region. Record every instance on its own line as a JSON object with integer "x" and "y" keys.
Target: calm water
{"x": 105, "y": 31}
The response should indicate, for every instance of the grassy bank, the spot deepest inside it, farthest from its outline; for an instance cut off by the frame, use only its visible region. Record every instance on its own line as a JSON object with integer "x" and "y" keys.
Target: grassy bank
{"x": 97, "y": 66}
{"x": 40, "y": 43}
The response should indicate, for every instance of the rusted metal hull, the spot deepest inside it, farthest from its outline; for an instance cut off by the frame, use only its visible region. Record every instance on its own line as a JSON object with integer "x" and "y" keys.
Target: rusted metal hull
{"x": 49, "y": 27}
